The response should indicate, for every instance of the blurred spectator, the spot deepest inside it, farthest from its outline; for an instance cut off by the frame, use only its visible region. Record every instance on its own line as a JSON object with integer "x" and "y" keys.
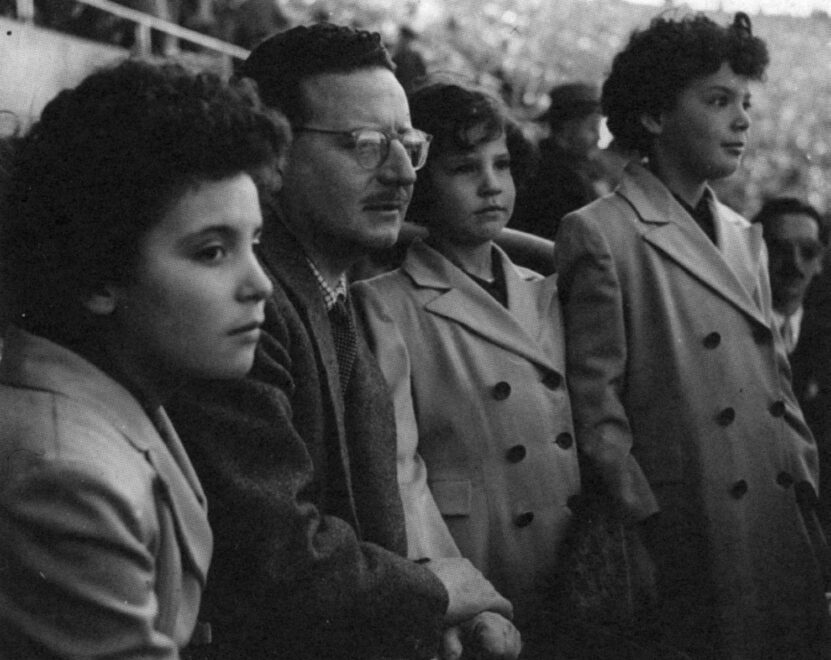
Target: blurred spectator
{"x": 409, "y": 62}
{"x": 562, "y": 183}
{"x": 797, "y": 237}
{"x": 248, "y": 22}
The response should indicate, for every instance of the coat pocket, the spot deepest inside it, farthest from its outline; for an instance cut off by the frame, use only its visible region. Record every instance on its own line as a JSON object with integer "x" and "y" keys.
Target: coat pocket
{"x": 452, "y": 496}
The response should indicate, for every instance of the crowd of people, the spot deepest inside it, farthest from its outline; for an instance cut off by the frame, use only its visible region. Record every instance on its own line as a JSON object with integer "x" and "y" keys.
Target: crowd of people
{"x": 216, "y": 443}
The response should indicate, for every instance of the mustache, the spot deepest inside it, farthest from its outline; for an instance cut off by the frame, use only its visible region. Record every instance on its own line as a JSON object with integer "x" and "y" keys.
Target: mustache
{"x": 387, "y": 198}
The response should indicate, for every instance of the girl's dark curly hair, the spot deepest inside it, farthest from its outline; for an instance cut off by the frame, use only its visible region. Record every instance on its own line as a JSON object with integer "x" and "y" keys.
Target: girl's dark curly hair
{"x": 101, "y": 167}
{"x": 449, "y": 111}
{"x": 661, "y": 61}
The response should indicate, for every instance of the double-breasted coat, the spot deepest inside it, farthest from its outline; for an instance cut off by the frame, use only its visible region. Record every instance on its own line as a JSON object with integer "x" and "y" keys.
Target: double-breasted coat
{"x": 491, "y": 410}
{"x": 682, "y": 400}
{"x": 104, "y": 536}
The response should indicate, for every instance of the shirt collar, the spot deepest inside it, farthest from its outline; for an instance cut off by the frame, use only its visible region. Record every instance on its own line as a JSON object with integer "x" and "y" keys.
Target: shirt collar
{"x": 793, "y": 320}
{"x": 330, "y": 294}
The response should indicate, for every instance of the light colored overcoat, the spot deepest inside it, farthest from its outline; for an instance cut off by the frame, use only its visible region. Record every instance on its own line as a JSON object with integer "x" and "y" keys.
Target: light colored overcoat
{"x": 490, "y": 412}
{"x": 104, "y": 536}
{"x": 682, "y": 399}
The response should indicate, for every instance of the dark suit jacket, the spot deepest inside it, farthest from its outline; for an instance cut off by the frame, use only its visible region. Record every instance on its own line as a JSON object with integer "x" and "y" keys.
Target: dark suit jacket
{"x": 304, "y": 504}
{"x": 560, "y": 186}
{"x": 811, "y": 365}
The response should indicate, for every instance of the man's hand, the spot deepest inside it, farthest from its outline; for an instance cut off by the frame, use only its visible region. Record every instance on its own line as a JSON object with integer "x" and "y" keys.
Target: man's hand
{"x": 470, "y": 593}
{"x": 487, "y": 636}
{"x": 490, "y": 636}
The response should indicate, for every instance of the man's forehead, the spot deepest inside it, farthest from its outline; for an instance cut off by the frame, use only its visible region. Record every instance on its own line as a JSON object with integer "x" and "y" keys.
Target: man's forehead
{"x": 355, "y": 95}
{"x": 794, "y": 225}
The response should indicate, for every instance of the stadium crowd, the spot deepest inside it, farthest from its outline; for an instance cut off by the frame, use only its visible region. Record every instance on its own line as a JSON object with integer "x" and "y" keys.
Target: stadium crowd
{"x": 218, "y": 441}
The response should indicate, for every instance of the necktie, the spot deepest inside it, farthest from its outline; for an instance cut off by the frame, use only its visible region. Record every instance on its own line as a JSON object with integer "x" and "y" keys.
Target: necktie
{"x": 346, "y": 343}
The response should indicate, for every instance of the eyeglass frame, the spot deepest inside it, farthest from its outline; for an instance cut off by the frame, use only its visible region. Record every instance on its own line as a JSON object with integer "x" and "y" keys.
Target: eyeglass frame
{"x": 389, "y": 137}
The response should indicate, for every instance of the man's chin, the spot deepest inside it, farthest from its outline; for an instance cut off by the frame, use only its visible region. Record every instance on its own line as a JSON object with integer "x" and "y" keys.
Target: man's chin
{"x": 384, "y": 236}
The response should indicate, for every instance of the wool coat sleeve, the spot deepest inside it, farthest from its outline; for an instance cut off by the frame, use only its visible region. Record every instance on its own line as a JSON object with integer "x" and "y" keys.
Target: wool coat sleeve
{"x": 596, "y": 348}
{"x": 289, "y": 579}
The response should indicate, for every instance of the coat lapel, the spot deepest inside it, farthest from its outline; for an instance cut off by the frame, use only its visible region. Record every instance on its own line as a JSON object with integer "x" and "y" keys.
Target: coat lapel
{"x": 462, "y": 301}
{"x": 185, "y": 496}
{"x": 731, "y": 271}
{"x": 285, "y": 259}
{"x": 47, "y": 366}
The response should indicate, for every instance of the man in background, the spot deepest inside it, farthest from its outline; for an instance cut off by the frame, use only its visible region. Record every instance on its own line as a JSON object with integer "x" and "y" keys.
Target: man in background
{"x": 796, "y": 235}
{"x": 563, "y": 182}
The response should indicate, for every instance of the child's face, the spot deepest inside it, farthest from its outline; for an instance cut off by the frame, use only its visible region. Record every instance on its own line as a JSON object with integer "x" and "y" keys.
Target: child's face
{"x": 704, "y": 136}
{"x": 195, "y": 303}
{"x": 473, "y": 193}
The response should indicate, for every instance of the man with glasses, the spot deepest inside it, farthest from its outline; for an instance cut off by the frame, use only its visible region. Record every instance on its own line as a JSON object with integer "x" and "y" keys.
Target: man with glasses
{"x": 298, "y": 460}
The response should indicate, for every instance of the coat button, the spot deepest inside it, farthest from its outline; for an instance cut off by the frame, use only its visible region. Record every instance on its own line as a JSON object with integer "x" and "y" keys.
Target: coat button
{"x": 784, "y": 479}
{"x": 762, "y": 335}
{"x": 777, "y": 408}
{"x": 501, "y": 391}
{"x": 726, "y": 417}
{"x": 564, "y": 440}
{"x": 739, "y": 489}
{"x": 552, "y": 380}
{"x": 515, "y": 454}
{"x": 712, "y": 340}
{"x": 524, "y": 519}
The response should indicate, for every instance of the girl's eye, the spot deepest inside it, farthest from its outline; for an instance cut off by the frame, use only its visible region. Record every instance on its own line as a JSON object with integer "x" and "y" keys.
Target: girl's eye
{"x": 504, "y": 164}
{"x": 211, "y": 253}
{"x": 465, "y": 168}
{"x": 719, "y": 101}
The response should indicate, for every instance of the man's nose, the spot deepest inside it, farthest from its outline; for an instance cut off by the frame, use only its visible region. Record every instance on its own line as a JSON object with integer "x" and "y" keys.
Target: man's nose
{"x": 397, "y": 169}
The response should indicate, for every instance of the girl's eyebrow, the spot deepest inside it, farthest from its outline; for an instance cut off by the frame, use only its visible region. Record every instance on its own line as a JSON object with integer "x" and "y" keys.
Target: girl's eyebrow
{"x": 225, "y": 231}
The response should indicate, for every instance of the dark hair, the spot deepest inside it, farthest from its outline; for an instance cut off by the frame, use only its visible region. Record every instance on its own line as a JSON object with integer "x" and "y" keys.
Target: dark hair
{"x": 100, "y": 168}
{"x": 661, "y": 61}
{"x": 449, "y": 111}
{"x": 779, "y": 206}
{"x": 282, "y": 62}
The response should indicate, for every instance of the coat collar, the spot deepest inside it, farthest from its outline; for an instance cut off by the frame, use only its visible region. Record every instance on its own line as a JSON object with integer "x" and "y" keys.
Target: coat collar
{"x": 522, "y": 328}
{"x": 286, "y": 260}
{"x": 732, "y": 269}
{"x": 35, "y": 362}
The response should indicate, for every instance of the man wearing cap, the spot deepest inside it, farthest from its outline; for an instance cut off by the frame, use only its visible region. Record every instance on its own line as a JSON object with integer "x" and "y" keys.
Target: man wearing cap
{"x": 562, "y": 183}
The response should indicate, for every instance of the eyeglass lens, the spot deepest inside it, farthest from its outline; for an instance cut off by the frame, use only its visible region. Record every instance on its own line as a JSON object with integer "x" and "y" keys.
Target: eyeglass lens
{"x": 373, "y": 147}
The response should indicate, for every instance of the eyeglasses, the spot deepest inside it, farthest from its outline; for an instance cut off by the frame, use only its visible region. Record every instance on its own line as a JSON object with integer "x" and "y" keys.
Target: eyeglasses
{"x": 372, "y": 145}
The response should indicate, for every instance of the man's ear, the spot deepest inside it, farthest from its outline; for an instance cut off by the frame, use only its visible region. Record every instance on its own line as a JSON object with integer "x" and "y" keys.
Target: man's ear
{"x": 102, "y": 301}
{"x": 654, "y": 124}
